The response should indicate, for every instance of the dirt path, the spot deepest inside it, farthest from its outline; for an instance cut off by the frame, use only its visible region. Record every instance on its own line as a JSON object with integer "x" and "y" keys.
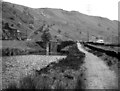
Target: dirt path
{"x": 98, "y": 74}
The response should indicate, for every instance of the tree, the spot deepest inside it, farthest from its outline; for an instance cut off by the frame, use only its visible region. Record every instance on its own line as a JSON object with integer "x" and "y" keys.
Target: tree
{"x": 59, "y": 31}
{"x": 46, "y": 37}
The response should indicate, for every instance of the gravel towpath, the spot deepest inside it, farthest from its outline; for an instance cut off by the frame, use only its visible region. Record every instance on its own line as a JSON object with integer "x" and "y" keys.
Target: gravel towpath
{"x": 98, "y": 75}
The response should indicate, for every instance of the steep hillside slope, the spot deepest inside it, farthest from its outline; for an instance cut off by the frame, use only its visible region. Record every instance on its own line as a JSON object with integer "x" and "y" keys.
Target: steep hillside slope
{"x": 62, "y": 24}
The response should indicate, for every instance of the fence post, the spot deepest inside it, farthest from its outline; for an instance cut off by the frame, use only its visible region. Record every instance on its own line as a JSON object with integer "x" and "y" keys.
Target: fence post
{"x": 47, "y": 48}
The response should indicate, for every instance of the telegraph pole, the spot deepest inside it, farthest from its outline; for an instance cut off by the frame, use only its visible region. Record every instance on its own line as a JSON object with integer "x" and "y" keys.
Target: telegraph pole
{"x": 89, "y": 9}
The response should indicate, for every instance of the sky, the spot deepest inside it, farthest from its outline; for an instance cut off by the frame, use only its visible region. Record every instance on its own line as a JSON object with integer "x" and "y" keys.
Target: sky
{"x": 103, "y": 8}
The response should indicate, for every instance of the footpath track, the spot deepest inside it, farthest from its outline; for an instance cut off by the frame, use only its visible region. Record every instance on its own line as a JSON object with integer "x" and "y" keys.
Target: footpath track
{"x": 98, "y": 75}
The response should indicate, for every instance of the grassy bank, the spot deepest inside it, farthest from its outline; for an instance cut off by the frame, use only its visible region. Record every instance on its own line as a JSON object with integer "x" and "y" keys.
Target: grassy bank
{"x": 16, "y": 67}
{"x": 64, "y": 74}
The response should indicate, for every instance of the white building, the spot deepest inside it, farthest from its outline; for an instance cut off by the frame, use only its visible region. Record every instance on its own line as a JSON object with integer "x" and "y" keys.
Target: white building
{"x": 28, "y": 39}
{"x": 100, "y": 41}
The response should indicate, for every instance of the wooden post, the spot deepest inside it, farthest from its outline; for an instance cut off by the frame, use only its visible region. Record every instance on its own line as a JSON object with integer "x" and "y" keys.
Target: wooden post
{"x": 47, "y": 48}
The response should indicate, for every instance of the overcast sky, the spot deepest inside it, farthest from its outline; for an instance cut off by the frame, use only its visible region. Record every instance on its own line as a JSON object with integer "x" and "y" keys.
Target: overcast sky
{"x": 103, "y": 8}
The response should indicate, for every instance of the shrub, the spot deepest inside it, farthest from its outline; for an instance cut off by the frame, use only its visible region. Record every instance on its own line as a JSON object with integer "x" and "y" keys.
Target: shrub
{"x": 11, "y": 86}
{"x": 42, "y": 82}
{"x": 27, "y": 83}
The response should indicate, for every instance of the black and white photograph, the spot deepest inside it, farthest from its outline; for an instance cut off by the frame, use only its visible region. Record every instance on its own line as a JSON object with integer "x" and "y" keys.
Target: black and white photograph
{"x": 59, "y": 45}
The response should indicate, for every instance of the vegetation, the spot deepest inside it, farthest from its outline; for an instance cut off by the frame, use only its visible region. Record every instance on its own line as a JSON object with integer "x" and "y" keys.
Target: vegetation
{"x": 17, "y": 51}
{"x": 66, "y": 74}
{"x": 27, "y": 19}
{"x": 10, "y": 33}
{"x": 59, "y": 31}
{"x": 46, "y": 37}
{"x": 109, "y": 60}
{"x": 13, "y": 52}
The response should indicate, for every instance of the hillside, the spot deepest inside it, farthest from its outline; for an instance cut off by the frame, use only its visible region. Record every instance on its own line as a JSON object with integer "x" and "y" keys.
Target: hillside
{"x": 63, "y": 25}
